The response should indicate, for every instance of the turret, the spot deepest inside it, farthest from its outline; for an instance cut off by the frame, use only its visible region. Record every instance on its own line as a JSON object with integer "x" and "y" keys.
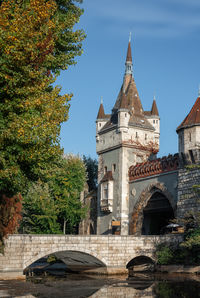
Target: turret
{"x": 154, "y": 118}
{"x": 102, "y": 118}
{"x": 123, "y": 114}
{"x": 189, "y": 130}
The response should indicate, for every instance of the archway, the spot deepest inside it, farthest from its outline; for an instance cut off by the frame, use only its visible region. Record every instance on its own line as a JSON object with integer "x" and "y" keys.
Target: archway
{"x": 156, "y": 215}
{"x": 140, "y": 264}
{"x": 153, "y": 211}
{"x": 68, "y": 260}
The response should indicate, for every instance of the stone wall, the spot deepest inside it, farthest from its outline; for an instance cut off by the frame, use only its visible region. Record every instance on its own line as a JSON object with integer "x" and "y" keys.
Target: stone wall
{"x": 114, "y": 251}
{"x": 187, "y": 197}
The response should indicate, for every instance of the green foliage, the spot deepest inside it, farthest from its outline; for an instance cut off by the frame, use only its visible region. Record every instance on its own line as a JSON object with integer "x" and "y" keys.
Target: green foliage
{"x": 40, "y": 211}
{"x": 49, "y": 206}
{"x": 36, "y": 41}
{"x": 66, "y": 186}
{"x": 164, "y": 254}
{"x": 164, "y": 290}
{"x": 52, "y": 259}
{"x": 92, "y": 172}
{"x": 192, "y": 239}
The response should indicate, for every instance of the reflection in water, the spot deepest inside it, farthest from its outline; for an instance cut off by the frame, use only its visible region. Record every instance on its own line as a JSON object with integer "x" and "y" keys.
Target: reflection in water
{"x": 74, "y": 286}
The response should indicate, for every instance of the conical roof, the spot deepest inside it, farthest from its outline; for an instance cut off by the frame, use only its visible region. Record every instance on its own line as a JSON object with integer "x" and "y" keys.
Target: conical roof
{"x": 101, "y": 113}
{"x": 123, "y": 102}
{"x": 193, "y": 118}
{"x": 129, "y": 54}
{"x": 154, "y": 109}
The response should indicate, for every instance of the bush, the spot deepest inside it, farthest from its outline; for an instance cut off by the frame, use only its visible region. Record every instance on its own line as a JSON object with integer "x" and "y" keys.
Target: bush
{"x": 164, "y": 255}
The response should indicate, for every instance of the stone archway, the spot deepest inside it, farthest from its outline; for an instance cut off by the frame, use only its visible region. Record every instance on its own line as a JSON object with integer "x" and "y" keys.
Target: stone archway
{"x": 137, "y": 217}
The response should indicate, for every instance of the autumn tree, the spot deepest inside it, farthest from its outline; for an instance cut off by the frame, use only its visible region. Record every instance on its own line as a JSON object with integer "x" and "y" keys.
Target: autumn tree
{"x": 36, "y": 41}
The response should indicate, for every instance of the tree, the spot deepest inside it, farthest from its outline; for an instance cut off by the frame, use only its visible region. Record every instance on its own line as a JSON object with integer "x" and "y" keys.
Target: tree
{"x": 31, "y": 110}
{"x": 49, "y": 207}
{"x": 66, "y": 187}
{"x": 92, "y": 172}
{"x": 40, "y": 211}
{"x": 36, "y": 42}
{"x": 10, "y": 210}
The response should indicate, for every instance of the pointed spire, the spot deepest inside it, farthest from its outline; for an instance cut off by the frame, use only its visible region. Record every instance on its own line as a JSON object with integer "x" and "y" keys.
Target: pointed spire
{"x": 101, "y": 113}
{"x": 123, "y": 102}
{"x": 154, "y": 109}
{"x": 129, "y": 64}
{"x": 129, "y": 54}
{"x": 130, "y": 36}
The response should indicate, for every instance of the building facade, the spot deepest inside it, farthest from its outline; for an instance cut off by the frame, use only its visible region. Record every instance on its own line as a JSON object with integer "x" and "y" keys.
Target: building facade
{"x": 138, "y": 193}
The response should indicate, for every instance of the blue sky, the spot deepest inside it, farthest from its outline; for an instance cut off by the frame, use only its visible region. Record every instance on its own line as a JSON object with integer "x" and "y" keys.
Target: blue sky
{"x": 166, "y": 62}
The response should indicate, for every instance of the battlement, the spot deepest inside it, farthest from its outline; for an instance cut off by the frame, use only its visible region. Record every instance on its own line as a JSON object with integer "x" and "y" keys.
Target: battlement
{"x": 154, "y": 167}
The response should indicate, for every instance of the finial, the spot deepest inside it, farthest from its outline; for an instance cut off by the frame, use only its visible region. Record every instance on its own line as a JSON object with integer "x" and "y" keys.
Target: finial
{"x": 101, "y": 99}
{"x": 154, "y": 97}
{"x": 199, "y": 91}
{"x": 130, "y": 37}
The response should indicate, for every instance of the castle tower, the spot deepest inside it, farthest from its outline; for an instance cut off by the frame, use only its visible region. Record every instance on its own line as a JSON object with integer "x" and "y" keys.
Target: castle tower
{"x": 189, "y": 130}
{"x": 125, "y": 137}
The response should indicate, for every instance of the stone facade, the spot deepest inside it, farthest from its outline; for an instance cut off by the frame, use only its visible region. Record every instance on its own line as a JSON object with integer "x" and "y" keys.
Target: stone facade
{"x": 114, "y": 252}
{"x": 188, "y": 200}
{"x": 125, "y": 137}
{"x": 88, "y": 225}
{"x": 140, "y": 187}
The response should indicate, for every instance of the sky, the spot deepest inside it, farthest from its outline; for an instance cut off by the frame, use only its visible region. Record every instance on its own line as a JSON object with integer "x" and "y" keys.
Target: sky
{"x": 166, "y": 62}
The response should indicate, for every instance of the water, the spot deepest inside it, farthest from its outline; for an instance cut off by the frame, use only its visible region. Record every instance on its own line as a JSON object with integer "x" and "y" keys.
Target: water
{"x": 80, "y": 286}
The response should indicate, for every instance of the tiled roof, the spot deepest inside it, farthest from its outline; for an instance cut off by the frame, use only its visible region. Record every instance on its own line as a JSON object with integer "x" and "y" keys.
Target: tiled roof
{"x": 154, "y": 109}
{"x": 107, "y": 177}
{"x": 129, "y": 55}
{"x": 101, "y": 113}
{"x": 154, "y": 167}
{"x": 123, "y": 102}
{"x": 128, "y": 98}
{"x": 193, "y": 118}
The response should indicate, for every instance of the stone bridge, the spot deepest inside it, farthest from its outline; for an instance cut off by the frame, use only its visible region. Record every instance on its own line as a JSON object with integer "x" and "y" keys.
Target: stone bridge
{"x": 113, "y": 252}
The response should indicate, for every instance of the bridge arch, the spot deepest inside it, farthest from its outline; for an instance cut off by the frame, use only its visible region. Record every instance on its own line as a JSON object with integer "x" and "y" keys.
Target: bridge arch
{"x": 139, "y": 260}
{"x": 28, "y": 261}
{"x": 149, "y": 194}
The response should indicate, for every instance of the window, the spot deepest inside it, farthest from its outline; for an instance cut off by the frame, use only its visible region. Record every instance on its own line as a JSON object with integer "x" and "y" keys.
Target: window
{"x": 125, "y": 115}
{"x": 105, "y": 191}
{"x": 154, "y": 121}
{"x": 113, "y": 167}
{"x": 105, "y": 170}
{"x": 145, "y": 136}
{"x": 99, "y": 124}
{"x": 157, "y": 121}
{"x": 190, "y": 136}
{"x": 136, "y": 134}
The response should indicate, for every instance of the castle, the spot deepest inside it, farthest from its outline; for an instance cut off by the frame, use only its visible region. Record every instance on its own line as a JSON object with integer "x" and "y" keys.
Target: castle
{"x": 139, "y": 193}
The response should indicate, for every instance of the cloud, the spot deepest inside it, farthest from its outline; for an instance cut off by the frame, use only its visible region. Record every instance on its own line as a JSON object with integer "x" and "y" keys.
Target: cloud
{"x": 166, "y": 18}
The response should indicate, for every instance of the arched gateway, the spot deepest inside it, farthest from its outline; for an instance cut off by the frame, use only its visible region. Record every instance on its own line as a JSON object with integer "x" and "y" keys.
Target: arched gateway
{"x": 153, "y": 211}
